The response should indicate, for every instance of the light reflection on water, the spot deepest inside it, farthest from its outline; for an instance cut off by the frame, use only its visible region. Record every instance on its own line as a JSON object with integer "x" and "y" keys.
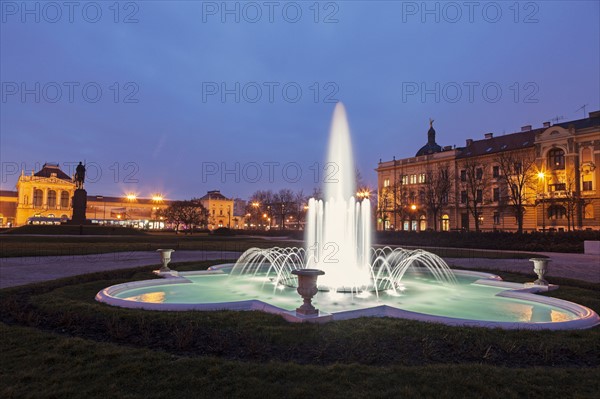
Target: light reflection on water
{"x": 465, "y": 300}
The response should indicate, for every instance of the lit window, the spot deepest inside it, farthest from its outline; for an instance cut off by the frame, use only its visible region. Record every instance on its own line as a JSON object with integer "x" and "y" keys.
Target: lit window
{"x": 556, "y": 158}
{"x": 588, "y": 212}
{"x": 386, "y": 183}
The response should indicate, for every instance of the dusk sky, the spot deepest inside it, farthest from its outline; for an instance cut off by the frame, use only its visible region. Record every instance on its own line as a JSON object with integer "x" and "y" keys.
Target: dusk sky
{"x": 163, "y": 120}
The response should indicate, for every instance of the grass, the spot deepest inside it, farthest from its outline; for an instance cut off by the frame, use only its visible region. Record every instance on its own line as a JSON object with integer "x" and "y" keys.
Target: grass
{"x": 18, "y": 246}
{"x": 58, "y": 342}
{"x": 74, "y": 367}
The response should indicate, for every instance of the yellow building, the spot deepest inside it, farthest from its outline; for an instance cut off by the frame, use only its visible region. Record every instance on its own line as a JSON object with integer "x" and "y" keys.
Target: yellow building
{"x": 551, "y": 170}
{"x": 220, "y": 210}
{"x": 46, "y": 193}
{"x": 45, "y": 197}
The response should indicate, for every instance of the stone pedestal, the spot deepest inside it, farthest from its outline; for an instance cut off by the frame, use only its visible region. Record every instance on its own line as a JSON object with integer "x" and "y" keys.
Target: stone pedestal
{"x": 79, "y": 206}
{"x": 307, "y": 288}
{"x": 540, "y": 267}
{"x": 165, "y": 258}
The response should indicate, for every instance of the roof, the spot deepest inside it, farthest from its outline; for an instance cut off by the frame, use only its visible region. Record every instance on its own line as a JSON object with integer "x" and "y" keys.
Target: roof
{"x": 593, "y": 120}
{"x": 429, "y": 148}
{"x": 493, "y": 145}
{"x": 8, "y": 193}
{"x": 125, "y": 201}
{"x": 214, "y": 195}
{"x": 49, "y": 168}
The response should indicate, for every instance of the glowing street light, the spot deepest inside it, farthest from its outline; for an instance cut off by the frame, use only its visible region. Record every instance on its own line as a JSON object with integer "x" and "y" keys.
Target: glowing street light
{"x": 131, "y": 197}
{"x": 413, "y": 207}
{"x": 157, "y": 198}
{"x": 363, "y": 194}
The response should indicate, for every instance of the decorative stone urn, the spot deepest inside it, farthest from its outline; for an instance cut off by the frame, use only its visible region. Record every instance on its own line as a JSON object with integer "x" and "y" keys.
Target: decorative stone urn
{"x": 165, "y": 258}
{"x": 540, "y": 267}
{"x": 307, "y": 288}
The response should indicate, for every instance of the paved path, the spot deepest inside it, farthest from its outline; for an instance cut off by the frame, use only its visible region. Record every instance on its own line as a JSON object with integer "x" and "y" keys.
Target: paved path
{"x": 575, "y": 266}
{"x": 24, "y": 270}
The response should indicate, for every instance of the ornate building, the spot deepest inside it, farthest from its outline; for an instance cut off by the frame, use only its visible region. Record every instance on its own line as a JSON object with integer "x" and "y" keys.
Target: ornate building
{"x": 47, "y": 196}
{"x": 536, "y": 179}
{"x": 220, "y": 210}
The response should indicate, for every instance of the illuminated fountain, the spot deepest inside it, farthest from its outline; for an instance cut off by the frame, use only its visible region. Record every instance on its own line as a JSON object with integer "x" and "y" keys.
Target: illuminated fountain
{"x": 338, "y": 236}
{"x": 358, "y": 280}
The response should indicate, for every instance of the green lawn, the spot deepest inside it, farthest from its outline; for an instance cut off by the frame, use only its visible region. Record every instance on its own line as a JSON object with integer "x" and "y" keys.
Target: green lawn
{"x": 17, "y": 246}
{"x": 58, "y": 342}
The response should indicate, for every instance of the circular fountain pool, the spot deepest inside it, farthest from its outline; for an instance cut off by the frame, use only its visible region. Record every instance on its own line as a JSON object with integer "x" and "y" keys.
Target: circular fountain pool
{"x": 475, "y": 299}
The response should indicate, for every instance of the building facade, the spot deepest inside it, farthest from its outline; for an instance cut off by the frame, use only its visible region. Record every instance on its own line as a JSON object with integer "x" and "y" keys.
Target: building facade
{"x": 543, "y": 179}
{"x": 46, "y": 196}
{"x": 220, "y": 210}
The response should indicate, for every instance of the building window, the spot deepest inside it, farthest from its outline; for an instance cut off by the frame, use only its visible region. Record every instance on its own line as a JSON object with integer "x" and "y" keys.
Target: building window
{"x": 463, "y": 197}
{"x": 557, "y": 187}
{"x": 479, "y": 196}
{"x": 64, "y": 199}
{"x": 422, "y": 178}
{"x": 445, "y": 198}
{"x": 38, "y": 196}
{"x": 557, "y": 212}
{"x": 386, "y": 183}
{"x": 479, "y": 173}
{"x": 586, "y": 155}
{"x": 404, "y": 179}
{"x": 52, "y": 198}
{"x": 496, "y": 194}
{"x": 413, "y": 179}
{"x": 445, "y": 223}
{"x": 588, "y": 211}
{"x": 463, "y": 175}
{"x": 496, "y": 171}
{"x": 413, "y": 225}
{"x": 518, "y": 168}
{"x": 587, "y": 186}
{"x": 406, "y": 225}
{"x": 422, "y": 223}
{"x": 496, "y": 218}
{"x": 556, "y": 159}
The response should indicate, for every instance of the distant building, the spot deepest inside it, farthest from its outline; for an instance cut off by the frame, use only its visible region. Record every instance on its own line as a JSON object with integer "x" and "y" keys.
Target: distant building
{"x": 553, "y": 169}
{"x": 220, "y": 210}
{"x": 46, "y": 197}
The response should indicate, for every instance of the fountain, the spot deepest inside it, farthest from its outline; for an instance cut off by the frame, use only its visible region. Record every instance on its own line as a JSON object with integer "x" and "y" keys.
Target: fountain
{"x": 355, "y": 279}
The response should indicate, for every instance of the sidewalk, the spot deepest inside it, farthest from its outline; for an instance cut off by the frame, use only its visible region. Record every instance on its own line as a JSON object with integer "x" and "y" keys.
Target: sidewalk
{"x": 25, "y": 270}
{"x": 575, "y": 266}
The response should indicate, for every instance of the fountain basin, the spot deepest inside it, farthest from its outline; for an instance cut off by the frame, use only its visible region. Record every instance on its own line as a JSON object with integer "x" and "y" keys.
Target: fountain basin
{"x": 478, "y": 299}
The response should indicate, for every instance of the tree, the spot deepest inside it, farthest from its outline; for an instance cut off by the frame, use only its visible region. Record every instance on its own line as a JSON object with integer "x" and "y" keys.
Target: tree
{"x": 438, "y": 187}
{"x": 189, "y": 213}
{"x": 283, "y": 205}
{"x": 259, "y": 206}
{"x": 474, "y": 183}
{"x": 518, "y": 178}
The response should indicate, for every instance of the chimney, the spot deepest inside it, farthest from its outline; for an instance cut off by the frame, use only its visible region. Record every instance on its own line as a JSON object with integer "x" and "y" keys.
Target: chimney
{"x": 526, "y": 128}
{"x": 469, "y": 142}
{"x": 546, "y": 124}
{"x": 489, "y": 135}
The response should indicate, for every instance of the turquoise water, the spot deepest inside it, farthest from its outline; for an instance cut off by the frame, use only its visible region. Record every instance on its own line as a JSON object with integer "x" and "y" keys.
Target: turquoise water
{"x": 421, "y": 294}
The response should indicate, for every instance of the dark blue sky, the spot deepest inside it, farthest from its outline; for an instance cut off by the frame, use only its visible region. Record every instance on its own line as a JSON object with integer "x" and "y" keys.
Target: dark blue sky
{"x": 179, "y": 133}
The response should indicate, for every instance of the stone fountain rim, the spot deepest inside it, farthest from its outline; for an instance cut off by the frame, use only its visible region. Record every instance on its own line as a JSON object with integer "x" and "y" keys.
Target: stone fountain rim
{"x": 587, "y": 318}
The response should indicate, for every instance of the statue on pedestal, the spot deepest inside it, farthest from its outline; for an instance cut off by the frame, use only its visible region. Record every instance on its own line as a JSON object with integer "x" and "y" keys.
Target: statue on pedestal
{"x": 79, "y": 175}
